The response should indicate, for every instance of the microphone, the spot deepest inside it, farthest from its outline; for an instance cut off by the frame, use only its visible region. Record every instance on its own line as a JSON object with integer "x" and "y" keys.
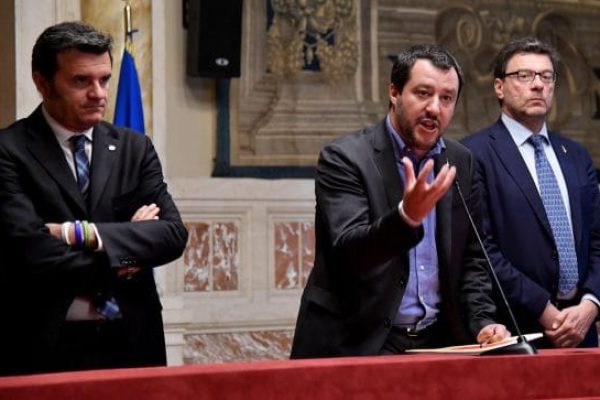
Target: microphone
{"x": 522, "y": 346}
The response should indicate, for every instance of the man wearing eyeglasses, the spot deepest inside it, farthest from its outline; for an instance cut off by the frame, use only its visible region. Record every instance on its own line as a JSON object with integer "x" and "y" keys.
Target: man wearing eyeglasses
{"x": 542, "y": 205}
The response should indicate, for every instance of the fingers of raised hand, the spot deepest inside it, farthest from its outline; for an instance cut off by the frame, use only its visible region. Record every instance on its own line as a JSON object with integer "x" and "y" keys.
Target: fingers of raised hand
{"x": 409, "y": 173}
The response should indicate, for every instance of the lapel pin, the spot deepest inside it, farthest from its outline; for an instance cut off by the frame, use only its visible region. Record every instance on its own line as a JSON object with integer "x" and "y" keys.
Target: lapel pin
{"x": 112, "y": 147}
{"x": 563, "y": 148}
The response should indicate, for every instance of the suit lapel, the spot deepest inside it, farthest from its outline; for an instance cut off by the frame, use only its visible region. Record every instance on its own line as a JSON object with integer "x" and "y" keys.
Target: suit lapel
{"x": 567, "y": 163}
{"x": 104, "y": 154}
{"x": 386, "y": 164}
{"x": 44, "y": 147}
{"x": 513, "y": 163}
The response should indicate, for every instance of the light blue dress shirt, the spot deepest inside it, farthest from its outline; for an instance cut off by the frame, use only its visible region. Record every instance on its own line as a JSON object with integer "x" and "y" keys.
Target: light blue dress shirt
{"x": 420, "y": 304}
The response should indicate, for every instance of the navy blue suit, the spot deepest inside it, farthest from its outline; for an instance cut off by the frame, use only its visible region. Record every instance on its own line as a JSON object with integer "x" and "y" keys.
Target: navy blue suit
{"x": 518, "y": 235}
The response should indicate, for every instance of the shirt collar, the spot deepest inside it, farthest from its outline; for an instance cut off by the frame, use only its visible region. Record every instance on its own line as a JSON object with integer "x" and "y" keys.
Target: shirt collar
{"x": 63, "y": 134}
{"x": 519, "y": 133}
{"x": 400, "y": 148}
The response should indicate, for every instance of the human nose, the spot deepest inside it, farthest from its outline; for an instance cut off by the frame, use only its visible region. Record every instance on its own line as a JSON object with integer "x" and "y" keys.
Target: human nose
{"x": 97, "y": 90}
{"x": 433, "y": 106}
{"x": 537, "y": 80}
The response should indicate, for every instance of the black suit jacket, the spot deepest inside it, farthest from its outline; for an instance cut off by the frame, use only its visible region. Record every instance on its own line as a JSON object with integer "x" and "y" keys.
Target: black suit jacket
{"x": 40, "y": 275}
{"x": 519, "y": 238}
{"x": 361, "y": 266}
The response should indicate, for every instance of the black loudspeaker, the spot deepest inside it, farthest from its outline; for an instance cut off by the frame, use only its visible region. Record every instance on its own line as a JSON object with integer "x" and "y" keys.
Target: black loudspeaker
{"x": 214, "y": 37}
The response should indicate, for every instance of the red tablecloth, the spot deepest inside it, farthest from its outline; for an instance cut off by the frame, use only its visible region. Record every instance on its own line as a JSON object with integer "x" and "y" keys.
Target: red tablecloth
{"x": 555, "y": 374}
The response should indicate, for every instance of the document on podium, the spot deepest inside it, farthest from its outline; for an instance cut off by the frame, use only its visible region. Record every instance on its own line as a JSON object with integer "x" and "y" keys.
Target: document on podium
{"x": 475, "y": 349}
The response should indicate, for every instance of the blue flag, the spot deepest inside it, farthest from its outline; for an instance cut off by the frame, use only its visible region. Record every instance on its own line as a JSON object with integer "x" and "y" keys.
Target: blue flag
{"x": 129, "y": 111}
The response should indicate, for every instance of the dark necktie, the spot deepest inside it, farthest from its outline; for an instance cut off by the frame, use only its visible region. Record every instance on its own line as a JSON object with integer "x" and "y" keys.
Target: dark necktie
{"x": 107, "y": 307}
{"x": 557, "y": 216}
{"x": 82, "y": 164}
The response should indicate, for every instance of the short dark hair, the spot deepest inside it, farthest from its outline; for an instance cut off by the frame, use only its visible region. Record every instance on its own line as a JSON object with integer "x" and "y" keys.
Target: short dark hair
{"x": 65, "y": 36}
{"x": 439, "y": 57}
{"x": 522, "y": 46}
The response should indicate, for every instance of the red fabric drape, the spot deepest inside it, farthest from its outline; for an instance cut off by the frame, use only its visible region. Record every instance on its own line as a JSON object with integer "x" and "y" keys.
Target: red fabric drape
{"x": 561, "y": 374}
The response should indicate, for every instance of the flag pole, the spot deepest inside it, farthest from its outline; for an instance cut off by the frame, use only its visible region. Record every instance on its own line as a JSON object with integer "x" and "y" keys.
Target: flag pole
{"x": 127, "y": 12}
{"x": 129, "y": 110}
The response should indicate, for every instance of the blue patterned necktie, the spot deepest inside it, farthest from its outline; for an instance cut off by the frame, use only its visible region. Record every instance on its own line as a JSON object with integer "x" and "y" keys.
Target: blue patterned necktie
{"x": 557, "y": 215}
{"x": 107, "y": 307}
{"x": 82, "y": 164}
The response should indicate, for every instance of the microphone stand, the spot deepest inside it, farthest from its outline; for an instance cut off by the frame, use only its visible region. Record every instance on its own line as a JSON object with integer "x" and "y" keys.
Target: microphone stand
{"x": 522, "y": 346}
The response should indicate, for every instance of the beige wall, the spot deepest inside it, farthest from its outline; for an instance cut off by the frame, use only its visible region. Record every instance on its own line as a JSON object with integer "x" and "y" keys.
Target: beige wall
{"x": 185, "y": 107}
{"x": 190, "y": 105}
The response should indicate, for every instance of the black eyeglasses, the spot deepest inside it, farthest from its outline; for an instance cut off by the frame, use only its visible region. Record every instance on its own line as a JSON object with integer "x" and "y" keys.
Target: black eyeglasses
{"x": 527, "y": 76}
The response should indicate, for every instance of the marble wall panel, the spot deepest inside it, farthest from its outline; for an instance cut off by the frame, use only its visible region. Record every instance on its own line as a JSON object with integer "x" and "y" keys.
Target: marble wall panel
{"x": 293, "y": 253}
{"x": 237, "y": 347}
{"x": 287, "y": 241}
{"x": 211, "y": 257}
{"x": 225, "y": 257}
{"x": 196, "y": 258}
{"x": 308, "y": 249}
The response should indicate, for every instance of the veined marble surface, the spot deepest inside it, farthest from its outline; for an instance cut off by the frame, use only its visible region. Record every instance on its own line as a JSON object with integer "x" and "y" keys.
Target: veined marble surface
{"x": 237, "y": 347}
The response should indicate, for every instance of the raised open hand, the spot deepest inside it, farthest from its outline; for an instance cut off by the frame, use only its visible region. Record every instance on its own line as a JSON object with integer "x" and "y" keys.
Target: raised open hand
{"x": 419, "y": 195}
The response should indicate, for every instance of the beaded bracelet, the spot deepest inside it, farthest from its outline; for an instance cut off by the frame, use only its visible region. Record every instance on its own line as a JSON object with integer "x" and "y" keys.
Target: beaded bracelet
{"x": 87, "y": 234}
{"x": 79, "y": 238}
{"x": 64, "y": 232}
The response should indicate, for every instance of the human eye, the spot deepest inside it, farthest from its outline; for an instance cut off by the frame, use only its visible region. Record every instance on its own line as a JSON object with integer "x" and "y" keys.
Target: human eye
{"x": 547, "y": 76}
{"x": 447, "y": 99}
{"x": 104, "y": 81}
{"x": 525, "y": 75}
{"x": 80, "y": 80}
{"x": 422, "y": 92}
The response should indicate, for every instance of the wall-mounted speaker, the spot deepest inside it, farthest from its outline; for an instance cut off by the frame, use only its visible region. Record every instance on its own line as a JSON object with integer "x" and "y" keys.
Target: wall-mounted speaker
{"x": 214, "y": 37}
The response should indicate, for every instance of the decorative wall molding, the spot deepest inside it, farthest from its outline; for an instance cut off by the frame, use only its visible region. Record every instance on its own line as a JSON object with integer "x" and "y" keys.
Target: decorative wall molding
{"x": 236, "y": 290}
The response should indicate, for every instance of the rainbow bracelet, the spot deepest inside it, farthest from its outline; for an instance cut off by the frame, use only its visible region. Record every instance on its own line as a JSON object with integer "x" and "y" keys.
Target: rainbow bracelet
{"x": 64, "y": 232}
{"x": 79, "y": 236}
{"x": 87, "y": 234}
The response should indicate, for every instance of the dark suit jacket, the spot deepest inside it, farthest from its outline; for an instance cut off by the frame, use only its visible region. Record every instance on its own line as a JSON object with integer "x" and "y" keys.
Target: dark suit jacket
{"x": 40, "y": 275}
{"x": 362, "y": 244}
{"x": 519, "y": 238}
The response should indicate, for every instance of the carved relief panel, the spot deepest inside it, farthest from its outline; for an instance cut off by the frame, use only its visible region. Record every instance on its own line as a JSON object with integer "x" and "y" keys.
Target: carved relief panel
{"x": 315, "y": 69}
{"x": 474, "y": 31}
{"x": 305, "y": 79}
